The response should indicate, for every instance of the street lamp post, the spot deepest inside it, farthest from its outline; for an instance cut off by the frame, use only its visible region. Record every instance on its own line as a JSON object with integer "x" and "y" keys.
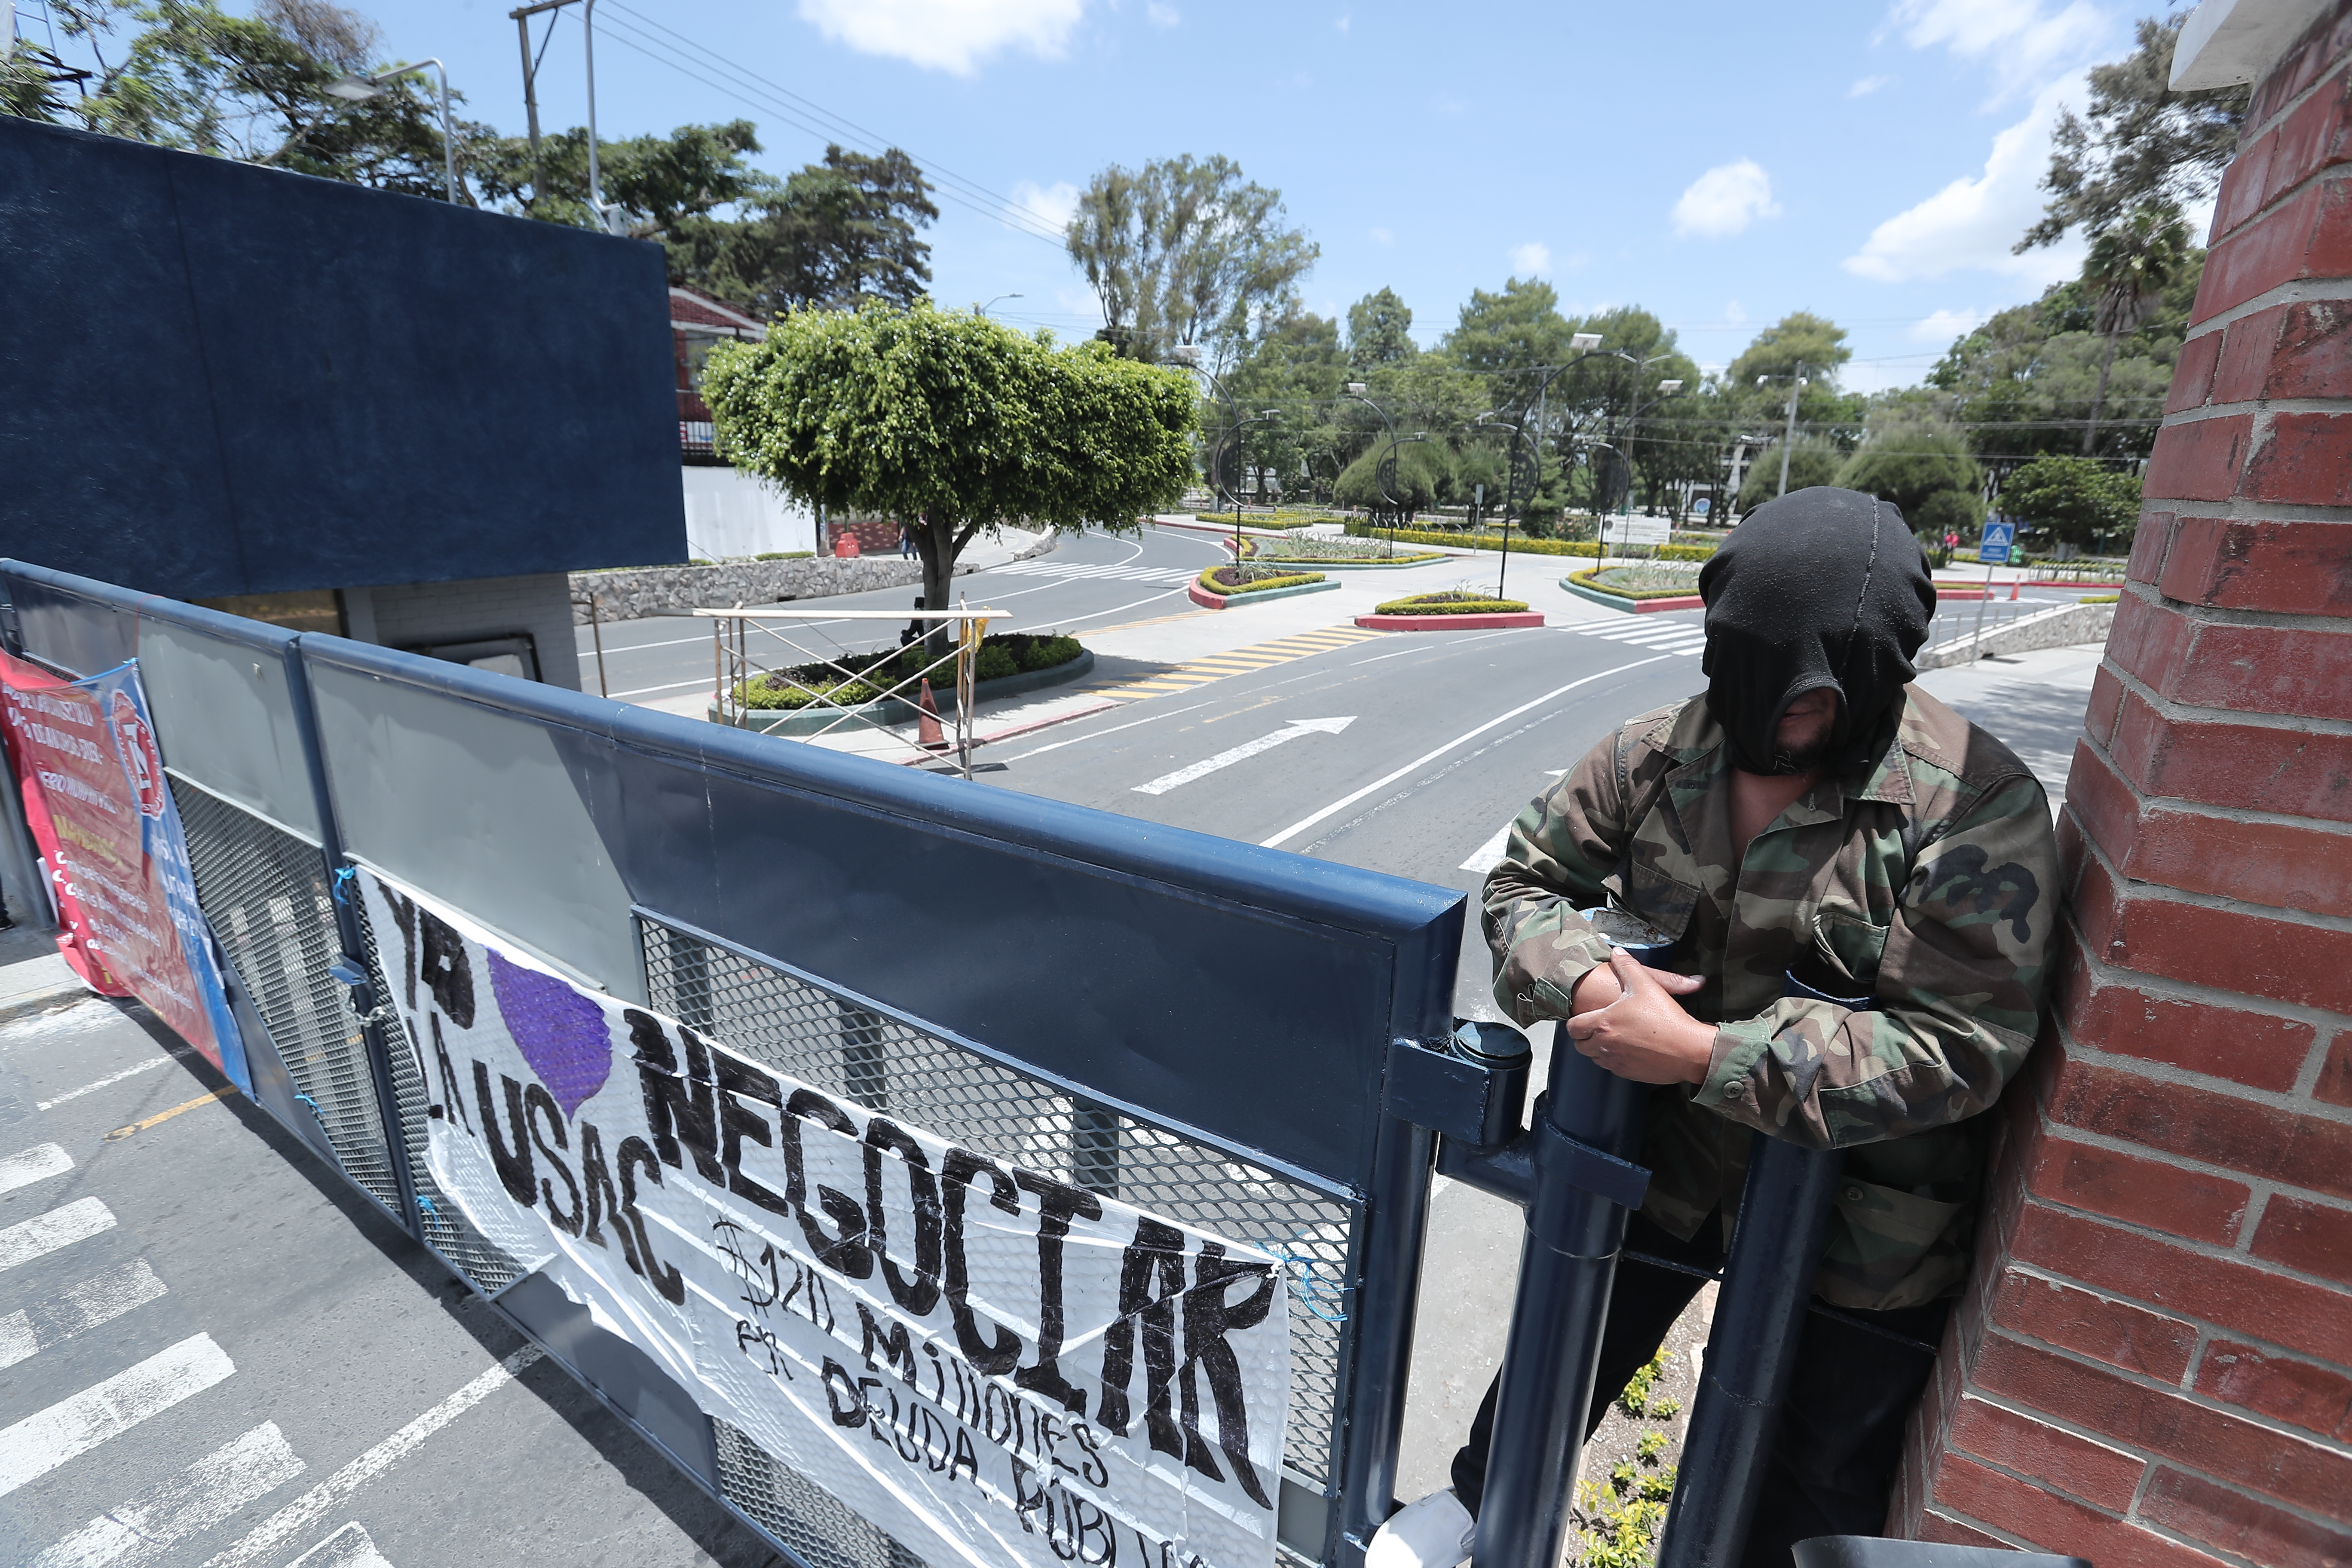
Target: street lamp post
{"x": 1513, "y": 473}
{"x": 998, "y": 301}
{"x": 359, "y": 88}
{"x": 1797, "y": 384}
{"x": 1384, "y": 473}
{"x": 1189, "y": 356}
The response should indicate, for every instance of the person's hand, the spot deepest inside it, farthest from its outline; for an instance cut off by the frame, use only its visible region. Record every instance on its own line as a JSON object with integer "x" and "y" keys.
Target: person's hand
{"x": 1642, "y": 1034}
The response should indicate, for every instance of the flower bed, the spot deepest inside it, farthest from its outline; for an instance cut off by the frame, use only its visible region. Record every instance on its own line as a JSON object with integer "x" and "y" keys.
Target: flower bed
{"x": 1633, "y": 582}
{"x": 1453, "y": 602}
{"x": 1281, "y": 520}
{"x": 1227, "y": 581}
{"x": 1324, "y": 551}
{"x": 872, "y": 674}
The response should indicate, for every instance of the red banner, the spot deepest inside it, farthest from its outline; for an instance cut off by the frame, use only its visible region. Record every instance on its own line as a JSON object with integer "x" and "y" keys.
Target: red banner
{"x": 102, "y": 813}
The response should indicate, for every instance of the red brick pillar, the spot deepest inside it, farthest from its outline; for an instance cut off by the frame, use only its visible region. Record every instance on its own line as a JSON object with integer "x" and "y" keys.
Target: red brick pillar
{"x": 2154, "y": 1363}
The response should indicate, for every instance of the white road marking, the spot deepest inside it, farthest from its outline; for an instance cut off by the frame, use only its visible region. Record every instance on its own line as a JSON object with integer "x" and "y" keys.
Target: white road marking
{"x": 1114, "y": 730}
{"x": 349, "y": 1547}
{"x": 1345, "y": 801}
{"x": 1167, "y": 781}
{"x": 35, "y": 1164}
{"x": 44, "y": 1234}
{"x": 1080, "y": 620}
{"x": 303, "y": 1512}
{"x": 115, "y": 1078}
{"x": 208, "y": 1491}
{"x": 1490, "y": 855}
{"x": 72, "y": 1427}
{"x": 84, "y": 1306}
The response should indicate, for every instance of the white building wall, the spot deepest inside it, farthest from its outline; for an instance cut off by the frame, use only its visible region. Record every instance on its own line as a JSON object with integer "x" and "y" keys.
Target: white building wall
{"x": 730, "y": 514}
{"x": 419, "y": 614}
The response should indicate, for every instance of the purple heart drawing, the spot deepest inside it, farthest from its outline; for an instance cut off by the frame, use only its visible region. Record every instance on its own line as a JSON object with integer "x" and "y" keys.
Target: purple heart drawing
{"x": 562, "y": 1035}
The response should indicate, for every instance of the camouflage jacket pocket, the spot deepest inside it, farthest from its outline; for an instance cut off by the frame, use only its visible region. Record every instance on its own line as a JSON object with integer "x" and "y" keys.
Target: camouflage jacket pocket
{"x": 1850, "y": 945}
{"x": 1890, "y": 1248}
{"x": 1659, "y": 899}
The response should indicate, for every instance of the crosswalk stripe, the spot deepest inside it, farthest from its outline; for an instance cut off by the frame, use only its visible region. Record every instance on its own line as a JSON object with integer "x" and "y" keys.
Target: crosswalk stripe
{"x": 349, "y": 1547}
{"x": 35, "y": 1164}
{"x": 210, "y": 1490}
{"x": 273, "y": 1533}
{"x": 45, "y": 1233}
{"x": 1243, "y": 660}
{"x": 84, "y": 1306}
{"x": 72, "y": 1427}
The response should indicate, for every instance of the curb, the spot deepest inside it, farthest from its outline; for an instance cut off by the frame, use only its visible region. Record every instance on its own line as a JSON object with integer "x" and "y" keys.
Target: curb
{"x": 797, "y": 721}
{"x": 1492, "y": 620}
{"x": 1019, "y": 730}
{"x": 25, "y": 1004}
{"x": 1624, "y": 605}
{"x": 1209, "y": 601}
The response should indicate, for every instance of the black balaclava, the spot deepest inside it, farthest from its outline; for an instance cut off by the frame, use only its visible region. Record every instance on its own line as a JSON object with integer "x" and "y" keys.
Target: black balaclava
{"x": 1822, "y": 587}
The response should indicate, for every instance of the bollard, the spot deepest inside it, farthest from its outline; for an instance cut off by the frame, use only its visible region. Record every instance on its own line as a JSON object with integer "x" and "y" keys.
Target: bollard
{"x": 1751, "y": 1351}
{"x": 1587, "y": 1131}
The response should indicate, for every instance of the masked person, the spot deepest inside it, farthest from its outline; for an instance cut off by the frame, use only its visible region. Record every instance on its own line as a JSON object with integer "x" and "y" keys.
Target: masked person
{"x": 1812, "y": 814}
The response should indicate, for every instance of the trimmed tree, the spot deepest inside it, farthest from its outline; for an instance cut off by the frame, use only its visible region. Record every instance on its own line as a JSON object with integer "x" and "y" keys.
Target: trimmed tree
{"x": 2076, "y": 499}
{"x": 953, "y": 424}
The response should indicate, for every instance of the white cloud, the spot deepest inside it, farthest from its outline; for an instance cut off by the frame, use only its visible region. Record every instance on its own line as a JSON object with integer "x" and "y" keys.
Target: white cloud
{"x": 1725, "y": 200}
{"x": 1383, "y": 236}
{"x": 1972, "y": 222}
{"x": 1940, "y": 327}
{"x": 1051, "y": 204}
{"x": 1732, "y": 312}
{"x": 2027, "y": 40}
{"x": 1869, "y": 85}
{"x": 1532, "y": 259}
{"x": 1344, "y": 20}
{"x": 952, "y": 35}
{"x": 1162, "y": 16}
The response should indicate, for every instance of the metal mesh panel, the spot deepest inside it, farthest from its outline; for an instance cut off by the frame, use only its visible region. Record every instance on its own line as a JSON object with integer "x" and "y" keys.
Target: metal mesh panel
{"x": 446, "y": 1230}
{"x": 804, "y": 1517}
{"x": 883, "y": 1065}
{"x": 264, "y": 892}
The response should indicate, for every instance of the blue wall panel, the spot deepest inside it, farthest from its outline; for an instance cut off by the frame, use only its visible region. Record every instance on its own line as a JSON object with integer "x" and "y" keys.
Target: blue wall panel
{"x": 220, "y": 379}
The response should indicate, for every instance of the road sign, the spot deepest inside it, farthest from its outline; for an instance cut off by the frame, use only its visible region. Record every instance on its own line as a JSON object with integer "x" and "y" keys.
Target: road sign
{"x": 1992, "y": 550}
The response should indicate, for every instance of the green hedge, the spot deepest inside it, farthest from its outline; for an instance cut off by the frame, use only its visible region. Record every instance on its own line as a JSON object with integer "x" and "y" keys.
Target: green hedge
{"x": 1589, "y": 579}
{"x": 1449, "y": 604}
{"x": 2101, "y": 599}
{"x": 1521, "y": 546}
{"x": 1281, "y": 520}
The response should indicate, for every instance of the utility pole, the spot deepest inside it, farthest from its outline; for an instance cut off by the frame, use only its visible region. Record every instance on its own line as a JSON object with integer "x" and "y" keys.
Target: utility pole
{"x": 530, "y": 74}
{"x": 1796, "y": 384}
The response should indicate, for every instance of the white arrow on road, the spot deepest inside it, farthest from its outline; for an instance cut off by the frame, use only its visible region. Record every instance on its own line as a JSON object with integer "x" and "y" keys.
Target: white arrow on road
{"x": 1167, "y": 781}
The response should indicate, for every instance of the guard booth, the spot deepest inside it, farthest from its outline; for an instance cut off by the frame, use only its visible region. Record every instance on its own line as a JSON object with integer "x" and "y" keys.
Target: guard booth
{"x": 1044, "y": 1010}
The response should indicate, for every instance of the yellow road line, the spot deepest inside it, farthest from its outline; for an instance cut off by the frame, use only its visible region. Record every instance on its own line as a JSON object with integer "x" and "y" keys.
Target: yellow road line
{"x": 121, "y": 1132}
{"x": 1241, "y": 661}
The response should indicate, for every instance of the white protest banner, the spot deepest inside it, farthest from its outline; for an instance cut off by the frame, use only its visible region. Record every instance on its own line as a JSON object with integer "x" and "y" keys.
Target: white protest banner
{"x": 996, "y": 1367}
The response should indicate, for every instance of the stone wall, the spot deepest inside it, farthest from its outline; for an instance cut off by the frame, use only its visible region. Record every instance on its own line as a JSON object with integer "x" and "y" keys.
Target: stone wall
{"x": 2061, "y": 627}
{"x": 2153, "y": 1363}
{"x": 626, "y": 595}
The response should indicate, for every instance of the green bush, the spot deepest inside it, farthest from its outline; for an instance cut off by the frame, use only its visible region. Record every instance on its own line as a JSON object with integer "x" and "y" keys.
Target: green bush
{"x": 784, "y": 555}
{"x": 1282, "y": 519}
{"x": 1452, "y": 603}
{"x": 1045, "y": 653}
{"x": 2101, "y": 599}
{"x": 994, "y": 664}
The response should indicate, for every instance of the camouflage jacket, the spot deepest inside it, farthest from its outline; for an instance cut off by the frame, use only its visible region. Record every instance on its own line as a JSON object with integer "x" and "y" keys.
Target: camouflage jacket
{"x": 1926, "y": 878}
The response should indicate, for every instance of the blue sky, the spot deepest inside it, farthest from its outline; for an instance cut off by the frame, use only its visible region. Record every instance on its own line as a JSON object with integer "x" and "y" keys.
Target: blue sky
{"x": 1718, "y": 164}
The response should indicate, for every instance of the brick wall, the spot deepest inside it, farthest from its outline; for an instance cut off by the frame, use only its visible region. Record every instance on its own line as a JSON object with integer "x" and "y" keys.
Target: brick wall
{"x": 2153, "y": 1365}
{"x": 412, "y": 615}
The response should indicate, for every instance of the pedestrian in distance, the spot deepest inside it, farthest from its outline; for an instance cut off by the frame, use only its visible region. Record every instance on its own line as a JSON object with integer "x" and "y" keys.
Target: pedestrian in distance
{"x": 1810, "y": 815}
{"x": 906, "y": 543}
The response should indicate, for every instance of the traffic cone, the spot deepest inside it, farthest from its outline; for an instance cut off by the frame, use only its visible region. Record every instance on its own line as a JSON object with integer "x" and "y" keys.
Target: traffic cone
{"x": 2012, "y": 589}
{"x": 927, "y": 733}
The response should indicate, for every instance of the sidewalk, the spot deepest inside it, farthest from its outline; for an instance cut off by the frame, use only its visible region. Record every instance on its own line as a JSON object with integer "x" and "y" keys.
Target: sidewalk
{"x": 34, "y": 976}
{"x": 2034, "y": 701}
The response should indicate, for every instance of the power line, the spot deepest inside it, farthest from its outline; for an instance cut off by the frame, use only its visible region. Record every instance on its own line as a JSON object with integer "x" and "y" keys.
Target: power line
{"x": 665, "y": 46}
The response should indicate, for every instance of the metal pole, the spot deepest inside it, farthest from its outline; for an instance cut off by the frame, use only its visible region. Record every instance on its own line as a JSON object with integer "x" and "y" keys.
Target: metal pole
{"x": 1982, "y": 603}
{"x": 448, "y": 136}
{"x": 595, "y": 182}
{"x": 1796, "y": 383}
{"x": 1751, "y": 1350}
{"x": 597, "y": 630}
{"x": 1568, "y": 1264}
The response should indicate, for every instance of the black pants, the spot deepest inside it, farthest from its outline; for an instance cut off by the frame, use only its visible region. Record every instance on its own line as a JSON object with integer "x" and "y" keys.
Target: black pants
{"x": 1833, "y": 1460}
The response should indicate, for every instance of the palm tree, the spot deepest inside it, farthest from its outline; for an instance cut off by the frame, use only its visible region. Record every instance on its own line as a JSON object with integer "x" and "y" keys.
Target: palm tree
{"x": 2129, "y": 264}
